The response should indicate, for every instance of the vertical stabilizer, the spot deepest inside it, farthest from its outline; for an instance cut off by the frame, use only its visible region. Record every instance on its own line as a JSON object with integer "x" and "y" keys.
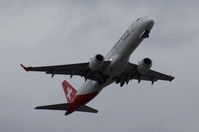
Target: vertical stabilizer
{"x": 69, "y": 91}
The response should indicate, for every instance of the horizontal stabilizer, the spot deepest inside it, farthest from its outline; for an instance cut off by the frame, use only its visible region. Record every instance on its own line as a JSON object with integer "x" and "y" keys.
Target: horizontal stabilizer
{"x": 63, "y": 106}
{"x": 85, "y": 108}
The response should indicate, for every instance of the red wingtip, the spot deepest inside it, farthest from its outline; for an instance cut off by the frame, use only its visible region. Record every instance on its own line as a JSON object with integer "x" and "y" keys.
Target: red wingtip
{"x": 24, "y": 67}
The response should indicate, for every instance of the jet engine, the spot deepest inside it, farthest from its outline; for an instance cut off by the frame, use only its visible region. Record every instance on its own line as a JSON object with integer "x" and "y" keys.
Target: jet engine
{"x": 144, "y": 65}
{"x": 96, "y": 62}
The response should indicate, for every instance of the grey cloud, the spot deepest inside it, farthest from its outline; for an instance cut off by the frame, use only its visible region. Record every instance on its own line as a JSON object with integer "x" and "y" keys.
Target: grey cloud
{"x": 59, "y": 32}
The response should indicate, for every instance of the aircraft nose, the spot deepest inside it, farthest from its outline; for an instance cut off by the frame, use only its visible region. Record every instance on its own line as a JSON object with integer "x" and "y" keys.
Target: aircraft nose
{"x": 149, "y": 23}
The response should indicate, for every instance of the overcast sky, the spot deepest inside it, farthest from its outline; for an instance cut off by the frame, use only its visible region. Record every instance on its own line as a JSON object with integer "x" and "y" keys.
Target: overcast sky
{"x": 49, "y": 32}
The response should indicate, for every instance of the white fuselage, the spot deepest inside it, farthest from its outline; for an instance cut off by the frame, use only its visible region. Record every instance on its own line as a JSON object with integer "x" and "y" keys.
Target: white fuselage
{"x": 119, "y": 55}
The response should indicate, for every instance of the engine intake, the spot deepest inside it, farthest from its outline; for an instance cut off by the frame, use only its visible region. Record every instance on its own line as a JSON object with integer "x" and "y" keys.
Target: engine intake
{"x": 144, "y": 65}
{"x": 99, "y": 58}
{"x": 96, "y": 62}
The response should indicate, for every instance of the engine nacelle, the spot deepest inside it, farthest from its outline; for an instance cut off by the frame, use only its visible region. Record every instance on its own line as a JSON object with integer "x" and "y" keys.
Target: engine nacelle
{"x": 144, "y": 65}
{"x": 96, "y": 62}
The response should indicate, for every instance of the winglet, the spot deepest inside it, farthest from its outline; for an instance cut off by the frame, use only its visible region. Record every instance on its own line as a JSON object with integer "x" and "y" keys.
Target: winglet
{"x": 25, "y": 68}
{"x": 171, "y": 78}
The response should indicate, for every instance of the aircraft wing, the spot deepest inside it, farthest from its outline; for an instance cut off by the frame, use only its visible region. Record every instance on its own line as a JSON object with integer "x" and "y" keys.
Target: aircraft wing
{"x": 80, "y": 69}
{"x": 132, "y": 73}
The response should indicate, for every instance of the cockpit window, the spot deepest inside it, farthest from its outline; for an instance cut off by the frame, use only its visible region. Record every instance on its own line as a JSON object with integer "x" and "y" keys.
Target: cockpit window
{"x": 139, "y": 19}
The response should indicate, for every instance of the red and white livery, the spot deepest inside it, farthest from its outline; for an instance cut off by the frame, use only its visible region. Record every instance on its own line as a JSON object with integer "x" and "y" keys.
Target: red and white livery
{"x": 102, "y": 71}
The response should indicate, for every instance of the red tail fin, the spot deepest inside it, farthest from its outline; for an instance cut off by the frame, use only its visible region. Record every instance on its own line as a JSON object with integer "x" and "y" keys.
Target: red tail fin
{"x": 69, "y": 91}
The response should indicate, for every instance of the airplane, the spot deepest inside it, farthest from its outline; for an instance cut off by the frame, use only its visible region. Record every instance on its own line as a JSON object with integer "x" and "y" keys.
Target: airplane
{"x": 102, "y": 71}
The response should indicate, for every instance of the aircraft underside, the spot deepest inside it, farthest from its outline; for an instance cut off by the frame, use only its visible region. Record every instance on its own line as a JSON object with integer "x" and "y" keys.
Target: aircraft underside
{"x": 101, "y": 71}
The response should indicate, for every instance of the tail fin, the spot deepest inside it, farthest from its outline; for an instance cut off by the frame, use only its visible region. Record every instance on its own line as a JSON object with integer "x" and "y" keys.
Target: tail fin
{"x": 69, "y": 91}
